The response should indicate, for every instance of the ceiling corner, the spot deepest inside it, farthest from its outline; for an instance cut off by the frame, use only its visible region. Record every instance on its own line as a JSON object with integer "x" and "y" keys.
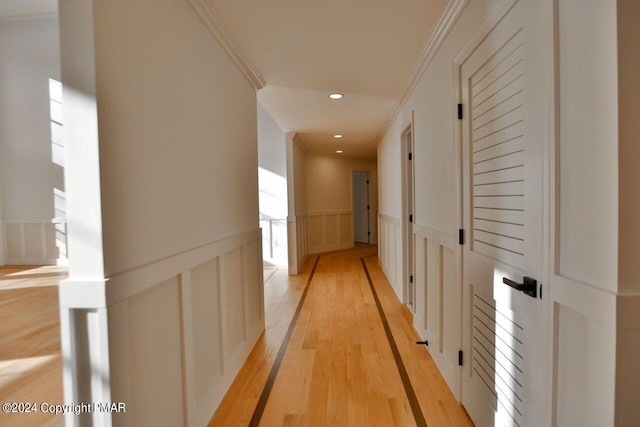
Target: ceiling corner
{"x": 444, "y": 24}
{"x": 206, "y": 12}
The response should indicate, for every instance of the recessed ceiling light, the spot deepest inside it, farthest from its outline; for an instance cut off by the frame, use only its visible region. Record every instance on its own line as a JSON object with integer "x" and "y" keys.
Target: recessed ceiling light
{"x": 338, "y": 151}
{"x": 336, "y": 95}
{"x": 337, "y": 135}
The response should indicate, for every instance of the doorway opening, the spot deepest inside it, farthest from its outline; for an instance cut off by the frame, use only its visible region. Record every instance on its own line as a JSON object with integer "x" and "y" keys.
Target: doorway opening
{"x": 408, "y": 274}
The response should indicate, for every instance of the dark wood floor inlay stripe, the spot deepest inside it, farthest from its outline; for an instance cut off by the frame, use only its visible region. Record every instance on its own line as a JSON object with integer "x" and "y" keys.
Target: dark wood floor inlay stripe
{"x": 266, "y": 391}
{"x": 406, "y": 382}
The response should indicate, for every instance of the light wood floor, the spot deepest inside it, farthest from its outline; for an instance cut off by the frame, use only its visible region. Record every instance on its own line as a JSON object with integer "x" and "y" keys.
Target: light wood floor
{"x": 30, "y": 362}
{"x": 338, "y": 369}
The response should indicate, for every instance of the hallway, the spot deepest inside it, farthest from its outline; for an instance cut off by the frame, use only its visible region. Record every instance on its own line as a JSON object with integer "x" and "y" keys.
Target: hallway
{"x": 337, "y": 366}
{"x": 150, "y": 144}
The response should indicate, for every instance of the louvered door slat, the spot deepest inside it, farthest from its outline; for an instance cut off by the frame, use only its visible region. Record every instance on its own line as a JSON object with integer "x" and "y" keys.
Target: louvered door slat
{"x": 500, "y": 189}
{"x": 498, "y": 163}
{"x": 509, "y": 217}
{"x": 497, "y": 123}
{"x": 514, "y": 230}
{"x": 507, "y": 147}
{"x": 497, "y": 108}
{"x": 498, "y": 355}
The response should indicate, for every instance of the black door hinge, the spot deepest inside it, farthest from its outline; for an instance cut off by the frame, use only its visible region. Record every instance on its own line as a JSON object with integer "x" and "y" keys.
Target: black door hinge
{"x": 459, "y": 111}
{"x": 368, "y": 207}
{"x": 368, "y": 233}
{"x": 460, "y": 358}
{"x": 461, "y": 236}
{"x": 367, "y": 181}
{"x": 410, "y": 156}
{"x": 425, "y": 342}
{"x": 411, "y": 278}
{"x": 410, "y": 218}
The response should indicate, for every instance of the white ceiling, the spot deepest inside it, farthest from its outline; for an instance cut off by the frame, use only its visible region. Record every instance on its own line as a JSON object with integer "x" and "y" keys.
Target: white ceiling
{"x": 306, "y": 49}
{"x": 19, "y": 8}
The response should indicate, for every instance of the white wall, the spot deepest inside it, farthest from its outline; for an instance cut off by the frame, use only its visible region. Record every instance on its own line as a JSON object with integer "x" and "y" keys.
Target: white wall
{"x": 271, "y": 146}
{"x": 272, "y": 183}
{"x": 299, "y": 178}
{"x": 329, "y": 181}
{"x": 588, "y": 156}
{"x": 176, "y": 138}
{"x": 584, "y": 243}
{"x": 297, "y": 200}
{"x": 178, "y": 188}
{"x": 591, "y": 206}
{"x": 329, "y": 191}
{"x": 31, "y": 167}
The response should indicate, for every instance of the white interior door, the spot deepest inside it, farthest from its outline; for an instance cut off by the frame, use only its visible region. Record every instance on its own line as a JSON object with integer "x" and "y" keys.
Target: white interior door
{"x": 503, "y": 380}
{"x": 408, "y": 213}
{"x": 361, "y": 207}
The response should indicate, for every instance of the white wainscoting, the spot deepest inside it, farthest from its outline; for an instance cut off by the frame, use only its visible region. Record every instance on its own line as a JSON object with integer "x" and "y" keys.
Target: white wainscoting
{"x": 297, "y": 242}
{"x": 179, "y": 329}
{"x": 438, "y": 299}
{"x": 35, "y": 241}
{"x": 390, "y": 250}
{"x": 329, "y": 231}
{"x": 584, "y": 353}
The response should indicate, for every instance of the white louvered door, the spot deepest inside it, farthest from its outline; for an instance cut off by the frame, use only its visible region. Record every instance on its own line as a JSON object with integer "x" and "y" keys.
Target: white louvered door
{"x": 501, "y": 151}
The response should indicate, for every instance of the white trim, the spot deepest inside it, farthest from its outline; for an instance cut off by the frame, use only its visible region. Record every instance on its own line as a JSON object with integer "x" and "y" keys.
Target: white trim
{"x": 343, "y": 238}
{"x": 440, "y": 237}
{"x": 329, "y": 212}
{"x": 83, "y": 293}
{"x": 186, "y": 336}
{"x": 47, "y": 252}
{"x": 3, "y": 243}
{"x": 432, "y": 317}
{"x": 488, "y": 24}
{"x": 297, "y": 242}
{"x": 231, "y": 368}
{"x": 126, "y": 284}
{"x": 107, "y": 303}
{"x": 28, "y": 17}
{"x": 121, "y": 286}
{"x": 389, "y": 218}
{"x": 592, "y": 302}
{"x": 34, "y": 220}
{"x": 206, "y": 12}
{"x": 445, "y": 23}
{"x": 408, "y": 182}
{"x": 389, "y": 248}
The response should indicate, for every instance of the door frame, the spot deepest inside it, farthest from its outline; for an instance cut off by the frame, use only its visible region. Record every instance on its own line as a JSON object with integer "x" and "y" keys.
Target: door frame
{"x": 461, "y": 108}
{"x": 407, "y": 148}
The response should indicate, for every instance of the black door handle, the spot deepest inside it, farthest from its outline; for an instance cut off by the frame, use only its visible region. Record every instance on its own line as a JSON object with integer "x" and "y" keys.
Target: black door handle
{"x": 529, "y": 287}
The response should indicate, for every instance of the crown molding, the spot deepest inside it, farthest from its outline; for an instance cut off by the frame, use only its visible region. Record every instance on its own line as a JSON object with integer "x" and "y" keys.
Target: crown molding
{"x": 205, "y": 11}
{"x": 445, "y": 23}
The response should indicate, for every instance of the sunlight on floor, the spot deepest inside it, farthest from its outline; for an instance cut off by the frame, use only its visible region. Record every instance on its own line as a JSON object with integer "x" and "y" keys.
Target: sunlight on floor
{"x": 19, "y": 277}
{"x": 30, "y": 357}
